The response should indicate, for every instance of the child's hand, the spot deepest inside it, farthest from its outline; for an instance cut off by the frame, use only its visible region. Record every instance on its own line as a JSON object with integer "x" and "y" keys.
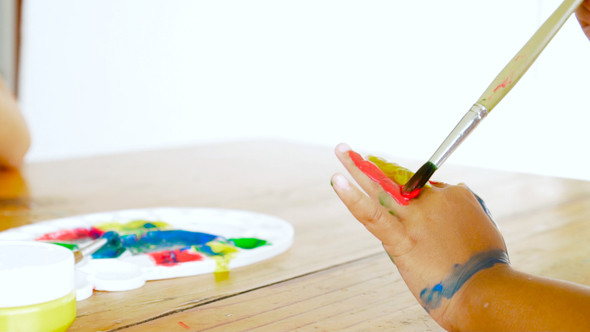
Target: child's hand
{"x": 438, "y": 241}
{"x": 583, "y": 15}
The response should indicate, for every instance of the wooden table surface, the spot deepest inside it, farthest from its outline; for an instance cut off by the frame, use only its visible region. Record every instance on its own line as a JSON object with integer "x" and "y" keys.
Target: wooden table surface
{"x": 335, "y": 277}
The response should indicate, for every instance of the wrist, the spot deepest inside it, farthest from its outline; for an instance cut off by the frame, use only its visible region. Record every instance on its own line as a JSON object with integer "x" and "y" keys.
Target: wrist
{"x": 475, "y": 303}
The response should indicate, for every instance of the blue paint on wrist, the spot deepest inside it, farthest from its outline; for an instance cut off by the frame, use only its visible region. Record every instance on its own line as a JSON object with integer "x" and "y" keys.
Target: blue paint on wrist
{"x": 432, "y": 297}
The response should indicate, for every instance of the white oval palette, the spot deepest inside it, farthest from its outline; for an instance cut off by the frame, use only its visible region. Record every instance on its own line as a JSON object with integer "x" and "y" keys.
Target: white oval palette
{"x": 223, "y": 224}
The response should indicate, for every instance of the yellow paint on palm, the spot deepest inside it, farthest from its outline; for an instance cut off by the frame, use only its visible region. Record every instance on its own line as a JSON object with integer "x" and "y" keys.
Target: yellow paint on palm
{"x": 225, "y": 253}
{"x": 395, "y": 172}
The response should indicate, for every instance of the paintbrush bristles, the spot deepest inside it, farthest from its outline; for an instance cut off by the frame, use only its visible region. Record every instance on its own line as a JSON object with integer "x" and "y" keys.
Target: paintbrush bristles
{"x": 420, "y": 178}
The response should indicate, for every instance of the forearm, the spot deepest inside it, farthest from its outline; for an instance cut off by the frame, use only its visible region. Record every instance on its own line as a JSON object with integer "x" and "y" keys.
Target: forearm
{"x": 14, "y": 134}
{"x": 502, "y": 299}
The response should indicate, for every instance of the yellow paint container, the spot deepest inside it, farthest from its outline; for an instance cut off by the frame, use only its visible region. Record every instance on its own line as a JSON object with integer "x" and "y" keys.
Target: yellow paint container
{"x": 37, "y": 288}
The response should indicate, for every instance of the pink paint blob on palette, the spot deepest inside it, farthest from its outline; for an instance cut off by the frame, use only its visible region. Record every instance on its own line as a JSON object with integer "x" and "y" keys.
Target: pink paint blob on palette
{"x": 166, "y": 243}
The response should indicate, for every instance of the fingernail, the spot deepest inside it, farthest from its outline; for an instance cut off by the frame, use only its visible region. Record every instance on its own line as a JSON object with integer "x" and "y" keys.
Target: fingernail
{"x": 343, "y": 147}
{"x": 340, "y": 181}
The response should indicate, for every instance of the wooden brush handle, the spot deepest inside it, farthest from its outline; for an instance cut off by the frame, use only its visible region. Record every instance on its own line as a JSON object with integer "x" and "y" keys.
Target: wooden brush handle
{"x": 521, "y": 62}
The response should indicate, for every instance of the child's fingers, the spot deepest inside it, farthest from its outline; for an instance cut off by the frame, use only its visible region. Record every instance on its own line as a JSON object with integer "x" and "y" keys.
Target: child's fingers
{"x": 389, "y": 203}
{"x": 371, "y": 187}
{"x": 383, "y": 225}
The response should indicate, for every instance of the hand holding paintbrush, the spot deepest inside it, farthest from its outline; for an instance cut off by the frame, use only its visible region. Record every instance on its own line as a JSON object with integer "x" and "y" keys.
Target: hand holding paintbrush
{"x": 451, "y": 254}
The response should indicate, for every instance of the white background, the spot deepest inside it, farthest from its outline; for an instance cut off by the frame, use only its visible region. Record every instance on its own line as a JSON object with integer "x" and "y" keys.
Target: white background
{"x": 387, "y": 77}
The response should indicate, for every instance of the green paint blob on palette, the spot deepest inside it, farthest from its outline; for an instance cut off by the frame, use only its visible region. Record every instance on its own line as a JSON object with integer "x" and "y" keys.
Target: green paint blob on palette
{"x": 248, "y": 243}
{"x": 71, "y": 246}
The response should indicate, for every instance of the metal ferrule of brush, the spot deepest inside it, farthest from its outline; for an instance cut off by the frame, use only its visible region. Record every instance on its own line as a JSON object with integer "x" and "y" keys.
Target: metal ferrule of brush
{"x": 469, "y": 121}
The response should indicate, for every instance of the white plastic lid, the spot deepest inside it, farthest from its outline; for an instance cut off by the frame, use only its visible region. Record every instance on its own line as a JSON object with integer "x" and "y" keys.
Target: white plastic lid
{"x": 115, "y": 276}
{"x": 34, "y": 272}
{"x": 84, "y": 288}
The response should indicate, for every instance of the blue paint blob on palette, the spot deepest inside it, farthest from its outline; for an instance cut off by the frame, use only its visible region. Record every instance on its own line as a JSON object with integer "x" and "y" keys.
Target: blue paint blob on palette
{"x": 169, "y": 242}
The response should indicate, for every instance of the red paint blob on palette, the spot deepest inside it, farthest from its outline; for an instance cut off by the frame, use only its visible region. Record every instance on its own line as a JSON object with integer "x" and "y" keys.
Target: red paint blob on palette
{"x": 72, "y": 234}
{"x": 66, "y": 235}
{"x": 375, "y": 174}
{"x": 173, "y": 257}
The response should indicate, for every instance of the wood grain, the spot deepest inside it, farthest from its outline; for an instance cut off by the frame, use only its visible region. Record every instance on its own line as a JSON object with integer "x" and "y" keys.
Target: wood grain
{"x": 335, "y": 277}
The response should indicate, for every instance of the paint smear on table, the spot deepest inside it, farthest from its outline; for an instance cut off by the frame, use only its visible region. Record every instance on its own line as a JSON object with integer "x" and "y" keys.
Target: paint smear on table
{"x": 184, "y": 326}
{"x": 375, "y": 174}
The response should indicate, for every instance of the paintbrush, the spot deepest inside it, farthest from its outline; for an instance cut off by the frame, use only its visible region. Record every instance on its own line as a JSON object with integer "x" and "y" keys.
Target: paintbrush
{"x": 89, "y": 249}
{"x": 499, "y": 88}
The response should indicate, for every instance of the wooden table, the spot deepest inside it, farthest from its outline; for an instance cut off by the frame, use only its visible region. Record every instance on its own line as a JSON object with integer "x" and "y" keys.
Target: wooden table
{"x": 335, "y": 277}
